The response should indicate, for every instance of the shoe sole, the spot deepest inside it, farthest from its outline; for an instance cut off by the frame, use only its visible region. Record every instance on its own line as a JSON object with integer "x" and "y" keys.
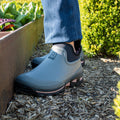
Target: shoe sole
{"x": 29, "y": 91}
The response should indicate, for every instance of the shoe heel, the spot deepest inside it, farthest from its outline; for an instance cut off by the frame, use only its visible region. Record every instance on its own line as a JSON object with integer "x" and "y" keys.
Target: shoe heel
{"x": 73, "y": 83}
{"x": 83, "y": 63}
{"x": 80, "y": 80}
{"x": 77, "y": 83}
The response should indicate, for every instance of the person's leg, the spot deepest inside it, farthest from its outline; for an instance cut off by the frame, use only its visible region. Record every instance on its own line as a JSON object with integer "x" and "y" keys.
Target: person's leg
{"x": 61, "y": 24}
{"x": 62, "y": 21}
{"x": 62, "y": 65}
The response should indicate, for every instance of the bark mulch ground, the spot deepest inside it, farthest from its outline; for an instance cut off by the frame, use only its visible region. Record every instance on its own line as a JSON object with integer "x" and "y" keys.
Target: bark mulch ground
{"x": 92, "y": 100}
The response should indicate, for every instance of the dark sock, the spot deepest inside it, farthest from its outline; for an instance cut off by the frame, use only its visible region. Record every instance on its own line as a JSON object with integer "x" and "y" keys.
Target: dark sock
{"x": 77, "y": 45}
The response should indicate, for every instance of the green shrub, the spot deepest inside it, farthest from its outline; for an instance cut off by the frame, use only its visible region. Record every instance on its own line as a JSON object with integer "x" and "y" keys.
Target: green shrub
{"x": 100, "y": 26}
{"x": 117, "y": 103}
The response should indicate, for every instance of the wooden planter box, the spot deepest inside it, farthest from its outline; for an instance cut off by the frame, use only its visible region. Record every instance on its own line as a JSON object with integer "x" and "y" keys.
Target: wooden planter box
{"x": 15, "y": 50}
{"x": 4, "y": 33}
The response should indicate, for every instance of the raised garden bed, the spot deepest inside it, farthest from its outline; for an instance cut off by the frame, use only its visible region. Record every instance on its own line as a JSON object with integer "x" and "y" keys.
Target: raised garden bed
{"x": 3, "y": 34}
{"x": 16, "y": 47}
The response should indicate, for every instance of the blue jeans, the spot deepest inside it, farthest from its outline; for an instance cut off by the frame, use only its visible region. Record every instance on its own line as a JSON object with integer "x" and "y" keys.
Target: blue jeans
{"x": 61, "y": 21}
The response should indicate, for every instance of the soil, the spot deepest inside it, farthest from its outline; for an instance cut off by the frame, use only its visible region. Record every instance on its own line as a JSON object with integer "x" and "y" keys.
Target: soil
{"x": 92, "y": 100}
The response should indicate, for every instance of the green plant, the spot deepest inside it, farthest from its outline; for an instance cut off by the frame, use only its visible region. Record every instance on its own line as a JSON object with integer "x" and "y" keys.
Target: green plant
{"x": 100, "y": 27}
{"x": 6, "y": 24}
{"x": 21, "y": 11}
{"x": 116, "y": 106}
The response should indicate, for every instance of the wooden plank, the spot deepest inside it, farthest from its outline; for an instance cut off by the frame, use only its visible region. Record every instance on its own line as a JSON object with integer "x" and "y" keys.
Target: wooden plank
{"x": 15, "y": 51}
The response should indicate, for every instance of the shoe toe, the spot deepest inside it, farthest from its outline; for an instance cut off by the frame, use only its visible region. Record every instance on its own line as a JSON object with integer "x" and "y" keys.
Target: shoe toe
{"x": 37, "y": 83}
{"x": 22, "y": 79}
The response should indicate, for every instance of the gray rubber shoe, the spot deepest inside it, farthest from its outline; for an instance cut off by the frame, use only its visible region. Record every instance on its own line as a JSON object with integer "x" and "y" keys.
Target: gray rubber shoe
{"x": 53, "y": 74}
{"x": 38, "y": 60}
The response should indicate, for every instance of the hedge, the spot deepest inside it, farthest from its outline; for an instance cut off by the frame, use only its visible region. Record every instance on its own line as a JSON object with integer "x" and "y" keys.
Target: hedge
{"x": 100, "y": 27}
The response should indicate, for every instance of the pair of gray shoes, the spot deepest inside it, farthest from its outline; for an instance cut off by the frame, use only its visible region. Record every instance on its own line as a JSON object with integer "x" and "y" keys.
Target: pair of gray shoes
{"x": 52, "y": 73}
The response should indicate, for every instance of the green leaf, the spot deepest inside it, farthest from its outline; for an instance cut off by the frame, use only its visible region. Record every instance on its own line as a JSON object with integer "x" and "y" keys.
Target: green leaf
{"x": 11, "y": 8}
{"x": 9, "y": 16}
{"x": 17, "y": 25}
{"x": 19, "y": 18}
{"x": 1, "y": 13}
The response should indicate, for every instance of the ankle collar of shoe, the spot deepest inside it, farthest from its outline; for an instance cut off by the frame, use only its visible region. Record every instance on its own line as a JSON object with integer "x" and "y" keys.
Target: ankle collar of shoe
{"x": 71, "y": 55}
